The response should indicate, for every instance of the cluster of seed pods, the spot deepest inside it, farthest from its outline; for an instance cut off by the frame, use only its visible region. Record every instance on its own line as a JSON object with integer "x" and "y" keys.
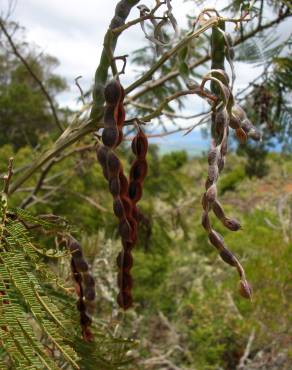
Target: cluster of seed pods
{"x": 239, "y": 120}
{"x": 84, "y": 286}
{"x": 126, "y": 193}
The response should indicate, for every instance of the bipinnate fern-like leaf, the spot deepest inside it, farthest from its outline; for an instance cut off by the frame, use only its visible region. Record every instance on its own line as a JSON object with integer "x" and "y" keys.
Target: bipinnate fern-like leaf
{"x": 39, "y": 326}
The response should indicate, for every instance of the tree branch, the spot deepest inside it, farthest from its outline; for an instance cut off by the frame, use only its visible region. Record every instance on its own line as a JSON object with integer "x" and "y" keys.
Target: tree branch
{"x": 34, "y": 76}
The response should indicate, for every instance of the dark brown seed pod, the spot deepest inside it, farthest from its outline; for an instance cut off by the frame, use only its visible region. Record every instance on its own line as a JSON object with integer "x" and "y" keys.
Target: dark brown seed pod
{"x": 81, "y": 305}
{"x": 125, "y": 300}
{"x": 112, "y": 92}
{"x": 125, "y": 281}
{"x": 110, "y": 136}
{"x": 75, "y": 248}
{"x": 216, "y": 239}
{"x": 85, "y": 319}
{"x": 127, "y": 245}
{"x": 113, "y": 164}
{"x": 88, "y": 280}
{"x": 80, "y": 264}
{"x": 118, "y": 208}
{"x": 114, "y": 186}
{"x": 139, "y": 169}
{"x": 109, "y": 120}
{"x": 125, "y": 260}
{"x": 124, "y": 183}
{"x": 140, "y": 145}
{"x": 120, "y": 139}
{"x": 89, "y": 293}
{"x": 127, "y": 206}
{"x": 231, "y": 224}
{"x": 245, "y": 289}
{"x": 227, "y": 257}
{"x": 125, "y": 230}
{"x": 135, "y": 191}
{"x": 102, "y": 153}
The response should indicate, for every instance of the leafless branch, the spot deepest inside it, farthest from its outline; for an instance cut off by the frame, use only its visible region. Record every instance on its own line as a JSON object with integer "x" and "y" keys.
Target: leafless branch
{"x": 32, "y": 73}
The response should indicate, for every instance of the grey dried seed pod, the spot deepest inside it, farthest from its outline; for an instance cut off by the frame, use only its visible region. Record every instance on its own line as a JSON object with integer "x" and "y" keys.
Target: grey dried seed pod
{"x": 221, "y": 117}
{"x": 206, "y": 221}
{"x": 218, "y": 210}
{"x": 221, "y": 163}
{"x": 231, "y": 224}
{"x": 234, "y": 122}
{"x": 213, "y": 172}
{"x": 245, "y": 289}
{"x": 211, "y": 193}
{"x": 228, "y": 257}
{"x": 224, "y": 147}
{"x": 255, "y": 135}
{"x": 238, "y": 112}
{"x": 205, "y": 203}
{"x": 213, "y": 155}
{"x": 216, "y": 239}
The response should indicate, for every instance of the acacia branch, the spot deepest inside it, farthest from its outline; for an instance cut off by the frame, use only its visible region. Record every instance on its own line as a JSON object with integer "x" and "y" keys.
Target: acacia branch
{"x": 34, "y": 76}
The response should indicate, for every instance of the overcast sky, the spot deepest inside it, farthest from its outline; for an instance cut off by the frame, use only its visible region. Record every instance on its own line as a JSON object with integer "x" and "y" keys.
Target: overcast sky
{"x": 73, "y": 30}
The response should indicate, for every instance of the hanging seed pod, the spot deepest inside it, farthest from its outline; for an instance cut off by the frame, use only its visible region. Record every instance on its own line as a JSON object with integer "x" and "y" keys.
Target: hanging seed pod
{"x": 245, "y": 289}
{"x": 112, "y": 92}
{"x": 231, "y": 224}
{"x": 89, "y": 293}
{"x": 227, "y": 257}
{"x": 216, "y": 239}
{"x": 113, "y": 164}
{"x": 125, "y": 281}
{"x": 125, "y": 260}
{"x": 241, "y": 135}
{"x": 110, "y": 136}
{"x": 206, "y": 222}
{"x": 114, "y": 186}
{"x": 211, "y": 193}
{"x": 125, "y": 300}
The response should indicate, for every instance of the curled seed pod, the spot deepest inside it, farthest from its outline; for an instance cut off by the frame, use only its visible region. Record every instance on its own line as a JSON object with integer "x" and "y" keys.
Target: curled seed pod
{"x": 89, "y": 293}
{"x": 231, "y": 224}
{"x": 118, "y": 208}
{"x": 80, "y": 264}
{"x": 228, "y": 257}
{"x": 125, "y": 260}
{"x": 112, "y": 92}
{"x": 216, "y": 239}
{"x": 109, "y": 120}
{"x": 125, "y": 300}
{"x": 212, "y": 156}
{"x": 110, "y": 136}
{"x": 125, "y": 281}
{"x": 245, "y": 289}
{"x": 213, "y": 173}
{"x": 139, "y": 170}
{"x": 88, "y": 280}
{"x": 75, "y": 248}
{"x": 102, "y": 153}
{"x": 135, "y": 191}
{"x": 211, "y": 193}
{"x": 113, "y": 164}
{"x": 114, "y": 186}
{"x": 206, "y": 221}
{"x": 125, "y": 230}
